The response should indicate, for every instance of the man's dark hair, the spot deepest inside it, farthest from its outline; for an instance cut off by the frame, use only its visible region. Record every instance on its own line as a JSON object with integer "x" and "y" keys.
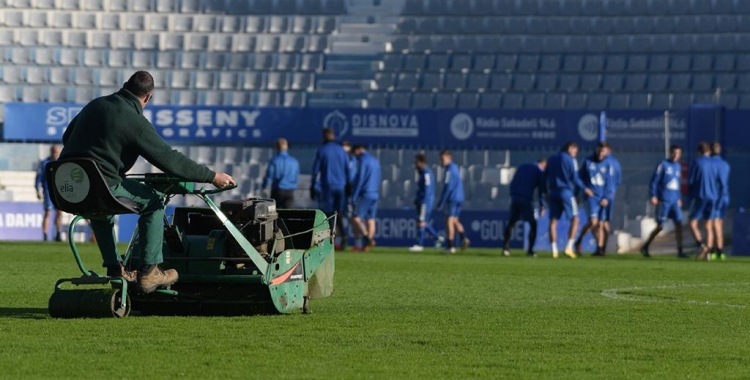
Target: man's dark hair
{"x": 541, "y": 161}
{"x": 674, "y": 147}
{"x": 602, "y": 144}
{"x": 358, "y": 147}
{"x": 568, "y": 145}
{"x": 446, "y": 153}
{"x": 421, "y": 158}
{"x": 704, "y": 148}
{"x": 346, "y": 143}
{"x": 140, "y": 84}
{"x": 328, "y": 135}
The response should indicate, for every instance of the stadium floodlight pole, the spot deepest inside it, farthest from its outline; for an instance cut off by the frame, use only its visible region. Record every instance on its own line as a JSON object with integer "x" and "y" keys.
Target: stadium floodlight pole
{"x": 602, "y": 126}
{"x": 666, "y": 134}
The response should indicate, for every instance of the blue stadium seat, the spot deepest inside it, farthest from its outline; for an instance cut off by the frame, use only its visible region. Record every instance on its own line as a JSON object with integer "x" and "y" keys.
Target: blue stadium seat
{"x": 635, "y": 82}
{"x": 569, "y": 82}
{"x": 500, "y": 82}
{"x": 423, "y": 100}
{"x": 477, "y": 81}
{"x": 704, "y": 98}
{"x": 528, "y": 63}
{"x": 597, "y": 101}
{"x": 657, "y": 82}
{"x": 618, "y": 101}
{"x": 579, "y": 25}
{"x": 659, "y": 63}
{"x": 55, "y": 38}
{"x": 573, "y": 63}
{"x": 512, "y": 101}
{"x": 681, "y": 101}
{"x": 612, "y": 82}
{"x": 618, "y": 44}
{"x": 728, "y": 23}
{"x": 294, "y": 99}
{"x": 639, "y": 101}
{"x": 593, "y": 8}
{"x": 311, "y": 62}
{"x": 726, "y": 81}
{"x": 465, "y": 101}
{"x": 59, "y": 76}
{"x": 400, "y": 100}
{"x": 461, "y": 62}
{"x": 616, "y": 63}
{"x": 554, "y": 101}
{"x": 415, "y": 62}
{"x": 702, "y": 82}
{"x": 660, "y": 101}
{"x": 679, "y": 82}
{"x": 680, "y": 62}
{"x": 36, "y": 75}
{"x": 590, "y": 82}
{"x": 550, "y": 63}
{"x": 724, "y": 62}
{"x": 108, "y": 78}
{"x": 546, "y": 82}
{"x": 431, "y": 82}
{"x": 594, "y": 64}
{"x": 523, "y": 82}
{"x": 268, "y": 99}
{"x": 253, "y": 81}
{"x": 484, "y": 62}
{"x": 454, "y": 81}
{"x": 376, "y": 100}
{"x": 384, "y": 81}
{"x": 729, "y": 100}
{"x": 407, "y": 82}
{"x": 490, "y": 100}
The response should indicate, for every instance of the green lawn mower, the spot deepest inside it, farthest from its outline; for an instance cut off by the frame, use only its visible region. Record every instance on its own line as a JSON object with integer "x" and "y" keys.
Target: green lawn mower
{"x": 243, "y": 257}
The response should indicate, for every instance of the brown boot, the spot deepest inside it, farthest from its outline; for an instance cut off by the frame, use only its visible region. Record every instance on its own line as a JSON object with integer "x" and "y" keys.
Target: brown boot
{"x": 120, "y": 271}
{"x": 153, "y": 278}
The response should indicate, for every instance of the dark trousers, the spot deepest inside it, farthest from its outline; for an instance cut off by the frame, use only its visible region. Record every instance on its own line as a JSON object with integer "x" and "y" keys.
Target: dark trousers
{"x": 284, "y": 198}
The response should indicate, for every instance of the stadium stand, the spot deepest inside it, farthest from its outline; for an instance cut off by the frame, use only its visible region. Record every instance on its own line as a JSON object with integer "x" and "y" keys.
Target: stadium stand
{"x": 487, "y": 54}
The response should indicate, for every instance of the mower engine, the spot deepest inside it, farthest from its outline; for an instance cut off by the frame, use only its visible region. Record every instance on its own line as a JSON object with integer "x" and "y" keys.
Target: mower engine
{"x": 257, "y": 219}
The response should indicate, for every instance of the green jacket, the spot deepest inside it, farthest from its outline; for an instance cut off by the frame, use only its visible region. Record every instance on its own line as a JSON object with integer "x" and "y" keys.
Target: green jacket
{"x": 112, "y": 131}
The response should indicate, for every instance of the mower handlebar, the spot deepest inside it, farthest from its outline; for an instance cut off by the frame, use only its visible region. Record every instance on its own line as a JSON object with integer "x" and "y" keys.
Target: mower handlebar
{"x": 174, "y": 185}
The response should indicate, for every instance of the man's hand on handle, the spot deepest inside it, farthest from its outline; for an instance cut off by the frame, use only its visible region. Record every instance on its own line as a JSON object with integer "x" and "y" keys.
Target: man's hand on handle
{"x": 654, "y": 201}
{"x": 222, "y": 180}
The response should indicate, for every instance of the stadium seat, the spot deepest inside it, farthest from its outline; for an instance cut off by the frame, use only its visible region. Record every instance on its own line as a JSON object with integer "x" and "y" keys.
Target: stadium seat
{"x": 213, "y": 61}
{"x": 597, "y": 101}
{"x": 546, "y": 82}
{"x": 461, "y": 63}
{"x": 311, "y": 62}
{"x": 594, "y": 64}
{"x": 657, "y": 82}
{"x": 432, "y": 82}
{"x": 467, "y": 101}
{"x": 68, "y": 57}
{"x": 416, "y": 62}
{"x": 276, "y": 81}
{"x": 639, "y": 101}
{"x": 500, "y": 82}
{"x": 729, "y": 100}
{"x": 726, "y": 81}
{"x": 528, "y": 63}
{"x": 294, "y": 99}
{"x": 618, "y": 101}
{"x": 445, "y": 101}
{"x": 484, "y": 62}
{"x": 612, "y": 82}
{"x": 660, "y": 101}
{"x": 551, "y": 63}
{"x": 575, "y": 101}
{"x": 406, "y": 82}
{"x": 180, "y": 79}
{"x": 400, "y": 100}
{"x": 569, "y": 82}
{"x": 590, "y": 82}
{"x": 286, "y": 62}
{"x": 107, "y": 78}
{"x": 422, "y": 100}
{"x": 681, "y": 101}
{"x": 477, "y": 82}
{"x": 263, "y": 62}
{"x": 376, "y": 100}
{"x": 702, "y": 82}
{"x": 490, "y": 101}
{"x": 554, "y": 101}
{"x": 534, "y": 101}
{"x": 384, "y": 82}
{"x": 573, "y": 63}
{"x": 391, "y": 62}
{"x": 679, "y": 82}
{"x": 513, "y": 101}
{"x": 36, "y": 75}
{"x": 455, "y": 81}
{"x": 635, "y": 82}
{"x": 204, "y": 80}
{"x": 219, "y": 43}
{"x": 724, "y": 62}
{"x": 506, "y": 63}
{"x": 253, "y": 81}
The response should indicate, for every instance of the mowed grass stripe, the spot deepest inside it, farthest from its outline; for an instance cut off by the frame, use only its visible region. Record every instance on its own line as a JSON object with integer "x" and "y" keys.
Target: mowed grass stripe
{"x": 400, "y": 315}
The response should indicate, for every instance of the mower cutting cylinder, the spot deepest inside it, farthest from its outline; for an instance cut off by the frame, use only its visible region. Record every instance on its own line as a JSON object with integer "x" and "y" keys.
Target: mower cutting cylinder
{"x": 88, "y": 303}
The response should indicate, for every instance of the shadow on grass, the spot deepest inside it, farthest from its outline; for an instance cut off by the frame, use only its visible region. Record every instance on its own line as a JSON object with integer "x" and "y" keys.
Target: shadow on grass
{"x": 23, "y": 313}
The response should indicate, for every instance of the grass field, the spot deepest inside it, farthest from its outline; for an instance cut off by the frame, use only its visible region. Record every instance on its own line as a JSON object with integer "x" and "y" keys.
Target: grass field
{"x": 397, "y": 315}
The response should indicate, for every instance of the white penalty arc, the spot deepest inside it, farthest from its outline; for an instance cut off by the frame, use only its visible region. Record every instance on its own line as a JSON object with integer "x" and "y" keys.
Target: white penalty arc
{"x": 617, "y": 294}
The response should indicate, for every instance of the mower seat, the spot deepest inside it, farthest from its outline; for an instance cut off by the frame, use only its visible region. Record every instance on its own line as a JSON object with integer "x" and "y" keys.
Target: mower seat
{"x": 78, "y": 187}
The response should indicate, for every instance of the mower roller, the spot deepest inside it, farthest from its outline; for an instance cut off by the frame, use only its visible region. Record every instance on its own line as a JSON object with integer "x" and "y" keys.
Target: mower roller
{"x": 241, "y": 257}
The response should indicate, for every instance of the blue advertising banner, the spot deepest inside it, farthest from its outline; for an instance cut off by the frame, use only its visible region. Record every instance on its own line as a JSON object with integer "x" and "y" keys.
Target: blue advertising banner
{"x": 741, "y": 234}
{"x": 398, "y": 228}
{"x": 21, "y": 221}
{"x": 458, "y": 128}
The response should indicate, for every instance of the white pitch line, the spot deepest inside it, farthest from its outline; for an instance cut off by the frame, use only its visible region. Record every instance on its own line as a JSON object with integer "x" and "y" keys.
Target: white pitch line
{"x": 615, "y": 294}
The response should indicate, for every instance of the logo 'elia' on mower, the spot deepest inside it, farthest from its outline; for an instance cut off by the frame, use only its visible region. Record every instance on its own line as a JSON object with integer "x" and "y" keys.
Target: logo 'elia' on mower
{"x": 294, "y": 274}
{"x": 72, "y": 182}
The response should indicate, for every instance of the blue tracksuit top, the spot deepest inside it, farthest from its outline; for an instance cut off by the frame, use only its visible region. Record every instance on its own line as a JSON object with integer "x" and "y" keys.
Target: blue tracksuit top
{"x": 425, "y": 187}
{"x": 41, "y": 176}
{"x": 722, "y": 168}
{"x": 367, "y": 182}
{"x": 598, "y": 176}
{"x": 453, "y": 190}
{"x": 353, "y": 163}
{"x": 562, "y": 174}
{"x": 528, "y": 179}
{"x": 666, "y": 181}
{"x": 703, "y": 179}
{"x": 330, "y": 168}
{"x": 616, "y": 172}
{"x": 282, "y": 172}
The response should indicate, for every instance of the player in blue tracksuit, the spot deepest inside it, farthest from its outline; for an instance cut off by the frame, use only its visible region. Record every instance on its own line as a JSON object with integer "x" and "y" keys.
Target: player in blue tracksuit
{"x": 40, "y": 184}
{"x": 282, "y": 175}
{"x": 665, "y": 194}
{"x": 563, "y": 181}
{"x": 597, "y": 174}
{"x": 720, "y": 209}
{"x": 703, "y": 185}
{"x": 365, "y": 195}
{"x": 452, "y": 198}
{"x": 330, "y": 174}
{"x": 350, "y": 212}
{"x": 616, "y": 182}
{"x": 529, "y": 179}
{"x": 424, "y": 201}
